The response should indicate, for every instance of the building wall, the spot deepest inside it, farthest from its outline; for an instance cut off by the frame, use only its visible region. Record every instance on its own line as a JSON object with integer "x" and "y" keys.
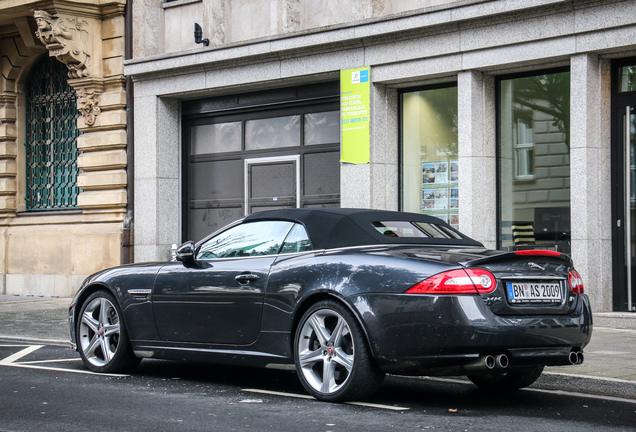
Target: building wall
{"x": 49, "y": 253}
{"x": 465, "y": 42}
{"x": 235, "y": 21}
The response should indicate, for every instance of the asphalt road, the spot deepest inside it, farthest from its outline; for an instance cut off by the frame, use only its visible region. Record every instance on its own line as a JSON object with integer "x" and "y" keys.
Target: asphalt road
{"x": 46, "y": 388}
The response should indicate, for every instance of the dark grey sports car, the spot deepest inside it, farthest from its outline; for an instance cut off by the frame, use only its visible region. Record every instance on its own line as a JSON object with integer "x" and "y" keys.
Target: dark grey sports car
{"x": 346, "y": 295}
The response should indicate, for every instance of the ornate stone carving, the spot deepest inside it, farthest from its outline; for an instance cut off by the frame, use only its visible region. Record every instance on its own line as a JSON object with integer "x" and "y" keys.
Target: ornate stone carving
{"x": 88, "y": 105}
{"x": 66, "y": 38}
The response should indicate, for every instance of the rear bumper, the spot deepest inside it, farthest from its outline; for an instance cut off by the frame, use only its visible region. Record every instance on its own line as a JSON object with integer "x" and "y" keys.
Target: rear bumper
{"x": 422, "y": 333}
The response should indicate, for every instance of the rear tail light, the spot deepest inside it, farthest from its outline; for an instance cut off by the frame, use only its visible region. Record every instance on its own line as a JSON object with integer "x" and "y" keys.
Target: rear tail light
{"x": 460, "y": 281}
{"x": 576, "y": 282}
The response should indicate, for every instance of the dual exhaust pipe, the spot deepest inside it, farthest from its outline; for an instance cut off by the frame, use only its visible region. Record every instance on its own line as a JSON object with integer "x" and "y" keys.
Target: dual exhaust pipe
{"x": 576, "y": 357}
{"x": 499, "y": 362}
{"x": 489, "y": 362}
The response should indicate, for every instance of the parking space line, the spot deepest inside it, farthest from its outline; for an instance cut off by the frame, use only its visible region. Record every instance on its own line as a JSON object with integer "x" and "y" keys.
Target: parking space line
{"x": 22, "y": 353}
{"x": 300, "y": 396}
{"x": 51, "y": 361}
{"x": 54, "y": 369}
{"x": 12, "y": 361}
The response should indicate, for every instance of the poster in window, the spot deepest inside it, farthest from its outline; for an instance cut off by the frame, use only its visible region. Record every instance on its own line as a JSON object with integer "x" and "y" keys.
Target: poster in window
{"x": 440, "y": 190}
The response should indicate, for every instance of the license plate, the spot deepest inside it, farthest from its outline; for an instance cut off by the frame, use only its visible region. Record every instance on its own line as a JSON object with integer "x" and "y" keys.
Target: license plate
{"x": 532, "y": 292}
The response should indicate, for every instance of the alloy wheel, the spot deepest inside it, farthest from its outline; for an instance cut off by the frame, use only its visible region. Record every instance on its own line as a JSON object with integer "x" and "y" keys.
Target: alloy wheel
{"x": 326, "y": 351}
{"x": 99, "y": 331}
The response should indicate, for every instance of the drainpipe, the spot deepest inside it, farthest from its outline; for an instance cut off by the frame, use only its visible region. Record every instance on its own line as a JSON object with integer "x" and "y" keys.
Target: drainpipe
{"x": 127, "y": 255}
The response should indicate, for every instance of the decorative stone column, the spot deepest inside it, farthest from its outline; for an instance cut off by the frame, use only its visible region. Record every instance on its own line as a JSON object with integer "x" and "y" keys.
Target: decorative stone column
{"x": 92, "y": 47}
{"x": 8, "y": 153}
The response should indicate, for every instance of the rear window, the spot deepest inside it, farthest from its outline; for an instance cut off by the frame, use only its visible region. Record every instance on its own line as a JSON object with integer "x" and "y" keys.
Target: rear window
{"x": 408, "y": 229}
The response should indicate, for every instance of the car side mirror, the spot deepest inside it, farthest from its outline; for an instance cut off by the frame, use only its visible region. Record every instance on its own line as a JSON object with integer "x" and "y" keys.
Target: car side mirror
{"x": 185, "y": 252}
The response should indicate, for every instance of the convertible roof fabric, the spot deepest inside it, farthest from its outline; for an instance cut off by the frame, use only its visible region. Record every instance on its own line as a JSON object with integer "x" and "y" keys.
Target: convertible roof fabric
{"x": 342, "y": 227}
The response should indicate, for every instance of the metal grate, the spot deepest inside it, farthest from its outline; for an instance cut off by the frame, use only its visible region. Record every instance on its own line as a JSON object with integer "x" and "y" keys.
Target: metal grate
{"x": 51, "y": 141}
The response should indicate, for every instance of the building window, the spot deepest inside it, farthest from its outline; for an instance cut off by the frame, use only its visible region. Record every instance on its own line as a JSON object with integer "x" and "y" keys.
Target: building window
{"x": 429, "y": 153}
{"x": 51, "y": 138}
{"x": 534, "y": 161}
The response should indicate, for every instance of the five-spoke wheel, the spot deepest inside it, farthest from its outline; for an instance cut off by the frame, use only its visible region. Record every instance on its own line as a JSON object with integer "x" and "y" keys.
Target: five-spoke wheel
{"x": 102, "y": 336}
{"x": 331, "y": 354}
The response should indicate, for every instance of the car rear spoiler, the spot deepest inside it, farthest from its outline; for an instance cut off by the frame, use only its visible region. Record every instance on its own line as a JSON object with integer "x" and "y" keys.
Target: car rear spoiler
{"x": 520, "y": 255}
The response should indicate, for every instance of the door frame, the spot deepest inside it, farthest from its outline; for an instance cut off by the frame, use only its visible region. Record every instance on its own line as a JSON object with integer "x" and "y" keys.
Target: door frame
{"x": 265, "y": 160}
{"x": 620, "y": 177}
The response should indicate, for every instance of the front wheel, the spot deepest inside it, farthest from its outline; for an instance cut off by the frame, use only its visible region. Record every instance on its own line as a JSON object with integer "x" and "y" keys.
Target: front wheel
{"x": 102, "y": 336}
{"x": 331, "y": 355}
{"x": 509, "y": 380}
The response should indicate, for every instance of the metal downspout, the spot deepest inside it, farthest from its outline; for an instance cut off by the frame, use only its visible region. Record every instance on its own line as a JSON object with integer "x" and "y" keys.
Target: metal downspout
{"x": 127, "y": 255}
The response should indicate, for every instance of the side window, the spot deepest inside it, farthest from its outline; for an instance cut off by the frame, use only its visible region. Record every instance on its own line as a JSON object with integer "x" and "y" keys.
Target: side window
{"x": 297, "y": 240}
{"x": 249, "y": 239}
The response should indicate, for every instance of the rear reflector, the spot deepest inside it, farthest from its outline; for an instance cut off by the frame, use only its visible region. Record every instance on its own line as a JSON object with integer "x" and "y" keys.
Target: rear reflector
{"x": 460, "y": 281}
{"x": 538, "y": 252}
{"x": 576, "y": 282}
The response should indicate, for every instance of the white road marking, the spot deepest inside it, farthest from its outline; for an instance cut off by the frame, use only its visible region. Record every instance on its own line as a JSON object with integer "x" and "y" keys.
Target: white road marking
{"x": 53, "y": 369}
{"x": 12, "y": 361}
{"x": 51, "y": 361}
{"x": 300, "y": 396}
{"x": 17, "y": 356}
{"x": 555, "y": 392}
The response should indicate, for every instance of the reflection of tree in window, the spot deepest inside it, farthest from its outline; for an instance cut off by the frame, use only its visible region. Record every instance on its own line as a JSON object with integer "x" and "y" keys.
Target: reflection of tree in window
{"x": 549, "y": 94}
{"x": 251, "y": 239}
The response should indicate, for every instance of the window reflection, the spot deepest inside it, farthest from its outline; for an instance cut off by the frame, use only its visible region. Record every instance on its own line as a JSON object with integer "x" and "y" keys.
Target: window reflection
{"x": 216, "y": 138}
{"x": 272, "y": 133}
{"x": 534, "y": 162}
{"x": 250, "y": 239}
{"x": 430, "y": 166}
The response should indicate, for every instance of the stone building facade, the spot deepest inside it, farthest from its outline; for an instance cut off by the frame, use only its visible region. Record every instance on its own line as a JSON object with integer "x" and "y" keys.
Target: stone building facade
{"x": 63, "y": 198}
{"x": 570, "y": 62}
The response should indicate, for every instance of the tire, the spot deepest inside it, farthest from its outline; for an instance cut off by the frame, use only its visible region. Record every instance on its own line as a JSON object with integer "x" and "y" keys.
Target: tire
{"x": 331, "y": 354}
{"x": 101, "y": 334}
{"x": 507, "y": 381}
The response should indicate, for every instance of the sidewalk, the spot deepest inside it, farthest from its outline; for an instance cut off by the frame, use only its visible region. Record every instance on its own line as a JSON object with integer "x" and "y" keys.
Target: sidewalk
{"x": 610, "y": 358}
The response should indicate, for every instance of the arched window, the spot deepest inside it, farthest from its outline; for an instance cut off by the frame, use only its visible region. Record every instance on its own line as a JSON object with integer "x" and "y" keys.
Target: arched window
{"x": 51, "y": 138}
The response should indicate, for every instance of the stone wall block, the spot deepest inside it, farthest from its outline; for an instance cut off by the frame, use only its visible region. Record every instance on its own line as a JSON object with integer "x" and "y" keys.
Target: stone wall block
{"x": 113, "y": 47}
{"x": 103, "y": 160}
{"x": 115, "y": 99}
{"x": 7, "y": 130}
{"x": 8, "y": 186}
{"x": 100, "y": 199}
{"x": 106, "y": 120}
{"x": 114, "y": 27}
{"x": 102, "y": 140}
{"x": 7, "y": 204}
{"x": 8, "y": 168}
{"x": 100, "y": 180}
{"x": 7, "y": 113}
{"x": 8, "y": 149}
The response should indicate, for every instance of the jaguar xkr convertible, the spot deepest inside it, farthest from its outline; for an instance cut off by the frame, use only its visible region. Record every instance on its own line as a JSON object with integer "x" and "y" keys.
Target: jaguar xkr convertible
{"x": 347, "y": 296}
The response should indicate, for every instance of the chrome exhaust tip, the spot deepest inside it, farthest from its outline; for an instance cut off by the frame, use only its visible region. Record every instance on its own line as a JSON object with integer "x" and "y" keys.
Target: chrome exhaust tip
{"x": 490, "y": 362}
{"x": 576, "y": 357}
{"x": 502, "y": 361}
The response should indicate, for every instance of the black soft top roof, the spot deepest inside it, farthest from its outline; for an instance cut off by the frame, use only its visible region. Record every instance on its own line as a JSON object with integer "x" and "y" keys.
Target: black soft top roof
{"x": 341, "y": 227}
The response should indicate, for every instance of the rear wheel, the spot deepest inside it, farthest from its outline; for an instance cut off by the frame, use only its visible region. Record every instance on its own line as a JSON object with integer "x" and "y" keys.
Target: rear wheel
{"x": 102, "y": 336}
{"x": 509, "y": 380}
{"x": 331, "y": 355}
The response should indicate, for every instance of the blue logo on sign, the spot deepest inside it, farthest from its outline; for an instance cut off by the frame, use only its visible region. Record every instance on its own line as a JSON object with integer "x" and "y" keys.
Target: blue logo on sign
{"x": 364, "y": 76}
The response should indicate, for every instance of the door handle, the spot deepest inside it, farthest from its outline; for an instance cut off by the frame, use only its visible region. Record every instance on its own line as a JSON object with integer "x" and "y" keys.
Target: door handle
{"x": 245, "y": 278}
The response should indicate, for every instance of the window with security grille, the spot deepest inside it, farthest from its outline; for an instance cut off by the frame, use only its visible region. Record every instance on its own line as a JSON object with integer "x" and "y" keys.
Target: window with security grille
{"x": 51, "y": 138}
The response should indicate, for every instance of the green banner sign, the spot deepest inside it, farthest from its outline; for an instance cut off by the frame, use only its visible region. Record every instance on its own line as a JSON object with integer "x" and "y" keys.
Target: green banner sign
{"x": 354, "y": 115}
